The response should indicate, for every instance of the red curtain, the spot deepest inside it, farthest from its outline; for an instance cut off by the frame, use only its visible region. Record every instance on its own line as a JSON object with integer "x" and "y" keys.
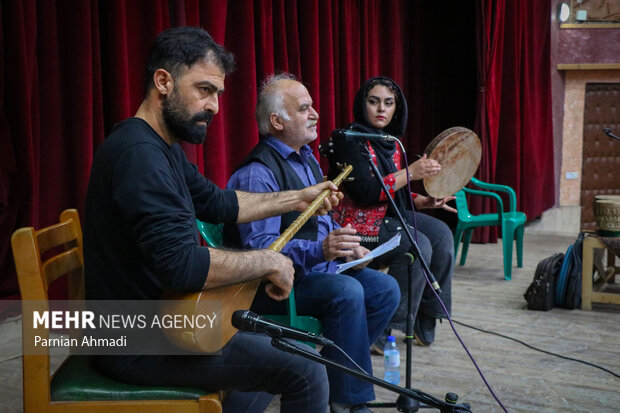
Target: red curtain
{"x": 53, "y": 107}
{"x": 319, "y": 42}
{"x": 514, "y": 104}
{"x": 71, "y": 69}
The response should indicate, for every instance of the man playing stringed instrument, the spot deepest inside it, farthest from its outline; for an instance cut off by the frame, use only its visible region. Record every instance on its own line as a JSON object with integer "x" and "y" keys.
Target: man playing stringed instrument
{"x": 141, "y": 236}
{"x": 355, "y": 307}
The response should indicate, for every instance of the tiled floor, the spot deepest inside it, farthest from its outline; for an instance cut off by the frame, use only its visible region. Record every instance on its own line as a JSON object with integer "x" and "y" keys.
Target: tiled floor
{"x": 523, "y": 379}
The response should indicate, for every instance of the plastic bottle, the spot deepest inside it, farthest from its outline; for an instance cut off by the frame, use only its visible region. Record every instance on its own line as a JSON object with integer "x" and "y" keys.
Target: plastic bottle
{"x": 392, "y": 361}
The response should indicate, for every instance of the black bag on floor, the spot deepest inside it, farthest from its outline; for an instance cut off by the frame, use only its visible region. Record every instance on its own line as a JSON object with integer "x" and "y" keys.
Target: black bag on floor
{"x": 540, "y": 294}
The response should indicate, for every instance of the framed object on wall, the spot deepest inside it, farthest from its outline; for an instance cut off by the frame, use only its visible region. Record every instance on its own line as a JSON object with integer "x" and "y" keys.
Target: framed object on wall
{"x": 591, "y": 13}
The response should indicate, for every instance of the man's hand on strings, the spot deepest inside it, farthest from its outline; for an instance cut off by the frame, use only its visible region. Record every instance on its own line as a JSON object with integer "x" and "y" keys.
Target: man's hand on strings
{"x": 280, "y": 277}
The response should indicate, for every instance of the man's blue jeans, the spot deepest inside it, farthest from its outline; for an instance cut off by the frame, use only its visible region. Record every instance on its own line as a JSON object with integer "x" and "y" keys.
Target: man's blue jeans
{"x": 355, "y": 308}
{"x": 247, "y": 367}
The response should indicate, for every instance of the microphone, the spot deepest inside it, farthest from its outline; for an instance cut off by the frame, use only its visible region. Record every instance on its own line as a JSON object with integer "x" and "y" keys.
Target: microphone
{"x": 246, "y": 320}
{"x": 348, "y": 135}
{"x": 607, "y": 132}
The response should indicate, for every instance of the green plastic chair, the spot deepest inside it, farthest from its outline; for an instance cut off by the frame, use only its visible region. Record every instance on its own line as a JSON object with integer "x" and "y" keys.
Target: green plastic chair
{"x": 212, "y": 234}
{"x": 511, "y": 221}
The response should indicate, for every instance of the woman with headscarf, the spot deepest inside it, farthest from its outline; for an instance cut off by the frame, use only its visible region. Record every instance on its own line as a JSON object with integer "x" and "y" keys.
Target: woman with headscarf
{"x": 380, "y": 107}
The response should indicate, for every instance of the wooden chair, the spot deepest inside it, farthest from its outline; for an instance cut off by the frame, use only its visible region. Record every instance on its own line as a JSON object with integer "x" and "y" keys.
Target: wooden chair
{"x": 510, "y": 220}
{"x": 212, "y": 234}
{"x": 76, "y": 386}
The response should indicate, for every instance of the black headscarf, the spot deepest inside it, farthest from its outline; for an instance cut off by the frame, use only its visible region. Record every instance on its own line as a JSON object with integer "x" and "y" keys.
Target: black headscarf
{"x": 399, "y": 121}
{"x": 383, "y": 149}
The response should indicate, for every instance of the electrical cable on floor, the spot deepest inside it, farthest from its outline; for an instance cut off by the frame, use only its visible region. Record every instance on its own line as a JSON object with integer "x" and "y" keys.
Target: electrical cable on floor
{"x": 443, "y": 306}
{"x": 537, "y": 349}
{"x": 9, "y": 358}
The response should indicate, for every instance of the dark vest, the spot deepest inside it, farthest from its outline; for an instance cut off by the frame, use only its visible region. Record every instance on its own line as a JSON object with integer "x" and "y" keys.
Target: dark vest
{"x": 287, "y": 179}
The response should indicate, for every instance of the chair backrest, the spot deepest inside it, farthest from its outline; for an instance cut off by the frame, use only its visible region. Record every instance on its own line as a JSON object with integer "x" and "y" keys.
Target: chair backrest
{"x": 461, "y": 204}
{"x": 211, "y": 233}
{"x": 42, "y": 257}
{"x": 463, "y": 212}
{"x": 512, "y": 196}
{"x": 38, "y": 263}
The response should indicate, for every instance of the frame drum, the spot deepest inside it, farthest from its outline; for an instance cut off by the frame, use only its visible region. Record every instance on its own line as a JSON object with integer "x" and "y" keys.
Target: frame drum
{"x": 458, "y": 151}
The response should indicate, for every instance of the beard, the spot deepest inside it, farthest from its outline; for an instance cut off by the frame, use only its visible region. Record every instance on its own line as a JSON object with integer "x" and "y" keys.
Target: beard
{"x": 182, "y": 124}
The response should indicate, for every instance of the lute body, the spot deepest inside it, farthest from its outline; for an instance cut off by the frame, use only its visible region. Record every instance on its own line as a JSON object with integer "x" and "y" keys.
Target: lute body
{"x": 219, "y": 303}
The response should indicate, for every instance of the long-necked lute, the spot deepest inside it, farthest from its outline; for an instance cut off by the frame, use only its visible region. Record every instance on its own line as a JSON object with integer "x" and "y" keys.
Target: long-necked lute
{"x": 216, "y": 305}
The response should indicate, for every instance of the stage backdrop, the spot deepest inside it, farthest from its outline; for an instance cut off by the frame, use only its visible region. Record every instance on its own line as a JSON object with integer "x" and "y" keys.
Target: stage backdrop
{"x": 71, "y": 69}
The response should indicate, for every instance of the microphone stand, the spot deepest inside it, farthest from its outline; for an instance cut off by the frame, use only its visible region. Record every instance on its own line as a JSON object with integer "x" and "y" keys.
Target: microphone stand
{"x": 416, "y": 250}
{"x": 414, "y": 394}
{"x": 403, "y": 403}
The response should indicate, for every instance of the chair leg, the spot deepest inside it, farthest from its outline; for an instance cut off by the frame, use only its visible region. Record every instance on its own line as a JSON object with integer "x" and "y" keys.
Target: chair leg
{"x": 466, "y": 240}
{"x": 519, "y": 237}
{"x": 587, "y": 262}
{"x": 458, "y": 234}
{"x": 507, "y": 240}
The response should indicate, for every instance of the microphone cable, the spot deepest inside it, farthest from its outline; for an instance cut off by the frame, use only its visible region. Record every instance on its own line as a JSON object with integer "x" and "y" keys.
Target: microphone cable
{"x": 423, "y": 397}
{"x": 428, "y": 281}
{"x": 536, "y": 348}
{"x": 360, "y": 368}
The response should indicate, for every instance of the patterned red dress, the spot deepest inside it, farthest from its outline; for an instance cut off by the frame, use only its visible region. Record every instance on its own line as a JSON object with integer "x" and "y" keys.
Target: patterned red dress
{"x": 366, "y": 218}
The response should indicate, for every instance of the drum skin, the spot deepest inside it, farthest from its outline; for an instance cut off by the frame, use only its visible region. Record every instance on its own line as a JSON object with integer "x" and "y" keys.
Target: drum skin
{"x": 458, "y": 151}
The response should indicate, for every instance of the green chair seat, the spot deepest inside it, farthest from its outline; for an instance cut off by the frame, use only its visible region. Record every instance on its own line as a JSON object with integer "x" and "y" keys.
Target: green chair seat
{"x": 78, "y": 380}
{"x": 511, "y": 221}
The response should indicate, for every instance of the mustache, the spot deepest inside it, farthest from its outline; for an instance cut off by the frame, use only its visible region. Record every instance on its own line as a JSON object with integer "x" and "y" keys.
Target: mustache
{"x": 311, "y": 123}
{"x": 203, "y": 116}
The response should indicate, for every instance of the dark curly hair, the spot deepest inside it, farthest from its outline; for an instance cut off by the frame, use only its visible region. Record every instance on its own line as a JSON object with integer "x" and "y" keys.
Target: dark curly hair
{"x": 178, "y": 48}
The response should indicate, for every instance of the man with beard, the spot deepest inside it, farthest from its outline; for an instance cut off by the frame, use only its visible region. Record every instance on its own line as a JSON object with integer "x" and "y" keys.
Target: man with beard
{"x": 141, "y": 239}
{"x": 355, "y": 306}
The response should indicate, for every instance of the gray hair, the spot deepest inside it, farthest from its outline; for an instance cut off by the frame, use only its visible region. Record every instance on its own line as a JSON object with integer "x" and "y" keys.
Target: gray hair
{"x": 270, "y": 101}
